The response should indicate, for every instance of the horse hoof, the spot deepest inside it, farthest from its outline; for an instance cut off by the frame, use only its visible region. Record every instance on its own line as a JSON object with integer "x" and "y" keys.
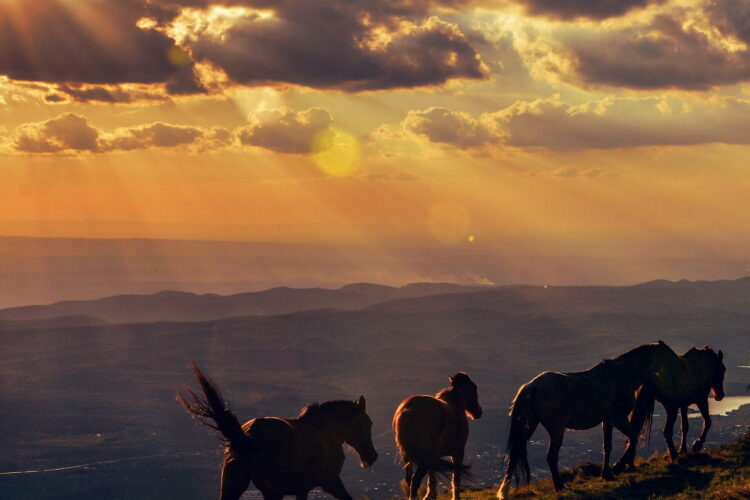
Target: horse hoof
{"x": 503, "y": 493}
{"x": 697, "y": 447}
{"x": 618, "y": 468}
{"x": 608, "y": 476}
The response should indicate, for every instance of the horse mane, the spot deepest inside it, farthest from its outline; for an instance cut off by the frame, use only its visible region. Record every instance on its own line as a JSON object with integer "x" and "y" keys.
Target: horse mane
{"x": 694, "y": 352}
{"x": 337, "y": 407}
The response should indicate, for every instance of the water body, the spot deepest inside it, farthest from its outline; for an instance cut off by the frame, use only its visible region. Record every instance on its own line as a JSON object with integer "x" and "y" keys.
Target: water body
{"x": 723, "y": 407}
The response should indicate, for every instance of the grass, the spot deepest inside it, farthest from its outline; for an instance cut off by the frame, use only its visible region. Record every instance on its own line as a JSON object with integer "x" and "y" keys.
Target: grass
{"x": 721, "y": 473}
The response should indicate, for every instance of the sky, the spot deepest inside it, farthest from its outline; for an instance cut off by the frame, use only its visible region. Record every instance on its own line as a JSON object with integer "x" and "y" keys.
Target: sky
{"x": 606, "y": 129}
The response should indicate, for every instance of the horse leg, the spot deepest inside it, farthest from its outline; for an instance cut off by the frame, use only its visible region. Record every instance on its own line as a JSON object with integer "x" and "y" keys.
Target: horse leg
{"x": 606, "y": 472}
{"x": 458, "y": 460}
{"x": 235, "y": 478}
{"x": 431, "y": 486}
{"x": 669, "y": 430}
{"x": 555, "y": 442}
{"x": 408, "y": 474}
{"x": 703, "y": 407}
{"x": 684, "y": 427}
{"x": 630, "y": 429}
{"x": 416, "y": 480}
{"x": 337, "y": 489}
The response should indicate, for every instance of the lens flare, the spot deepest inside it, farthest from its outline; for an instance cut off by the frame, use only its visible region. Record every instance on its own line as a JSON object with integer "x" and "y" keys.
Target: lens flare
{"x": 336, "y": 152}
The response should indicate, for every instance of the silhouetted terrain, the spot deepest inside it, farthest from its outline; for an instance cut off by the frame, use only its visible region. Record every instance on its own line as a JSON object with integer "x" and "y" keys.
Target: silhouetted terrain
{"x": 184, "y": 306}
{"x": 86, "y": 393}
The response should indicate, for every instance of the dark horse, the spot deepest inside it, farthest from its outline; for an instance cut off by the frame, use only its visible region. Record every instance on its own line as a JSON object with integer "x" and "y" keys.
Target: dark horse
{"x": 284, "y": 456}
{"x": 687, "y": 381}
{"x": 428, "y": 428}
{"x": 603, "y": 394}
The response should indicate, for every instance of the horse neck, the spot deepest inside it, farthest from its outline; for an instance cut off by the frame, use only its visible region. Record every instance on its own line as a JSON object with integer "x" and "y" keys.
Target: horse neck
{"x": 637, "y": 366}
{"x": 453, "y": 397}
{"x": 330, "y": 424}
{"x": 698, "y": 370}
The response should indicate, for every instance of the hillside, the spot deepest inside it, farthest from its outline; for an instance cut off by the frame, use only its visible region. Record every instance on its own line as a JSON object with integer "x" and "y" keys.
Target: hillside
{"x": 173, "y": 305}
{"x": 721, "y": 473}
{"x": 76, "y": 392}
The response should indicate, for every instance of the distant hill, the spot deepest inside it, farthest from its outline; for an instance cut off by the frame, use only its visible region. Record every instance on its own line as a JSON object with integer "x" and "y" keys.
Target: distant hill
{"x": 185, "y": 306}
{"x": 721, "y": 473}
{"x": 651, "y": 298}
{"x": 82, "y": 393}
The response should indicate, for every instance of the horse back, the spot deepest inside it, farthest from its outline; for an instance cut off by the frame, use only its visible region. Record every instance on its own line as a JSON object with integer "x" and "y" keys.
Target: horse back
{"x": 577, "y": 400}
{"x": 425, "y": 424}
{"x": 287, "y": 453}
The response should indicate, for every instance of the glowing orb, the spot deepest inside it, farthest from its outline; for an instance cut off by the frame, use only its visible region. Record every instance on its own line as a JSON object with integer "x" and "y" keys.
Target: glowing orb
{"x": 336, "y": 152}
{"x": 449, "y": 223}
{"x": 178, "y": 56}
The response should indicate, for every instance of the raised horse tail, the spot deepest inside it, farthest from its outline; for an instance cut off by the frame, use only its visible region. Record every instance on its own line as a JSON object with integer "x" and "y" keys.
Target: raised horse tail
{"x": 522, "y": 425}
{"x": 211, "y": 410}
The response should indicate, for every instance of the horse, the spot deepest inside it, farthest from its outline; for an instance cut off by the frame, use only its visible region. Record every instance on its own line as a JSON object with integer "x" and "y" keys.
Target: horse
{"x": 284, "y": 456}
{"x": 688, "y": 381}
{"x": 428, "y": 428}
{"x": 603, "y": 394}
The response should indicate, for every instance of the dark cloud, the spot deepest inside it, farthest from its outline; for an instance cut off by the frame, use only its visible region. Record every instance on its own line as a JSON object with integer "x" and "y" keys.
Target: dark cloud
{"x": 664, "y": 54}
{"x": 606, "y": 124}
{"x": 593, "y": 9}
{"x": 87, "y": 41}
{"x": 450, "y": 127}
{"x": 731, "y": 17}
{"x": 284, "y": 130}
{"x": 67, "y": 132}
{"x": 72, "y": 133}
{"x": 347, "y": 44}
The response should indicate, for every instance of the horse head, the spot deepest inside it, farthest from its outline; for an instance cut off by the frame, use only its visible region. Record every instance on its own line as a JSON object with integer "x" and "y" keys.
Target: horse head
{"x": 359, "y": 434}
{"x": 717, "y": 374}
{"x": 463, "y": 384}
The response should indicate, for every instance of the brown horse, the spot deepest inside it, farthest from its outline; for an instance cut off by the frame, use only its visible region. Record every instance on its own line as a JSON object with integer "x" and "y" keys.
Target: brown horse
{"x": 688, "y": 381}
{"x": 428, "y": 428}
{"x": 603, "y": 394}
{"x": 284, "y": 456}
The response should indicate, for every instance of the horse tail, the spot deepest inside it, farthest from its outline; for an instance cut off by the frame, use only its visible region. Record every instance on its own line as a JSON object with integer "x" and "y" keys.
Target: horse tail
{"x": 648, "y": 401}
{"x": 416, "y": 451}
{"x": 523, "y": 422}
{"x": 212, "y": 411}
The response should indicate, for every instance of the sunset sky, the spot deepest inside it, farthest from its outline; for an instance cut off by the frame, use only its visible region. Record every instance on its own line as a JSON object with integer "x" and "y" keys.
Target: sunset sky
{"x": 573, "y": 127}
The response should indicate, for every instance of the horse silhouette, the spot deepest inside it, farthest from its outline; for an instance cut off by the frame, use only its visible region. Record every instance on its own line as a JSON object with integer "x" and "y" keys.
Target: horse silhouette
{"x": 688, "y": 380}
{"x": 603, "y": 394}
{"x": 284, "y": 456}
{"x": 428, "y": 428}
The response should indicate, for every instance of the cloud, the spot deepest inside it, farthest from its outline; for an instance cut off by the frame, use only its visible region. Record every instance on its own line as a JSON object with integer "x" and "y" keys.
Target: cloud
{"x": 87, "y": 41}
{"x": 665, "y": 53}
{"x": 450, "y": 127}
{"x": 350, "y": 45}
{"x": 105, "y": 94}
{"x": 284, "y": 130}
{"x": 72, "y": 133}
{"x": 67, "y": 132}
{"x": 594, "y": 9}
{"x": 625, "y": 123}
{"x": 613, "y": 122}
{"x": 730, "y": 17}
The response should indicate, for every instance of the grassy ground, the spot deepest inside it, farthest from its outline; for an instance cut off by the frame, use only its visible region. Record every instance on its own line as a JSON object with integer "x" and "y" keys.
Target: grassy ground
{"x": 718, "y": 474}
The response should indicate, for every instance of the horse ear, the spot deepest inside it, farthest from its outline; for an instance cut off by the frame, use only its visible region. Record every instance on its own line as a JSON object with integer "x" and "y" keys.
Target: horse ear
{"x": 453, "y": 381}
{"x": 362, "y": 403}
{"x": 721, "y": 355}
